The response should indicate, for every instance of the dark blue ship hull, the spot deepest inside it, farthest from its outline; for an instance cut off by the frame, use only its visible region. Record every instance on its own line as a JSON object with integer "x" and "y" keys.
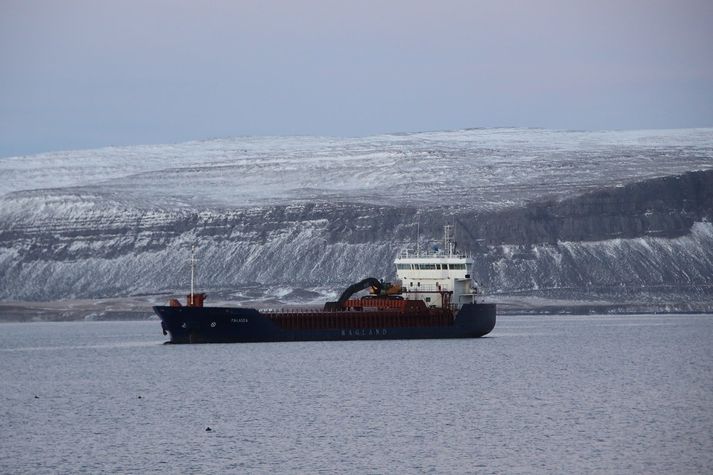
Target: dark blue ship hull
{"x": 242, "y": 325}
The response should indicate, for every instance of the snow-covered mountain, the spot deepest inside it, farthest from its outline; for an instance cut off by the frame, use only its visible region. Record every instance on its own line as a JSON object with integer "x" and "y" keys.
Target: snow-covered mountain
{"x": 617, "y": 216}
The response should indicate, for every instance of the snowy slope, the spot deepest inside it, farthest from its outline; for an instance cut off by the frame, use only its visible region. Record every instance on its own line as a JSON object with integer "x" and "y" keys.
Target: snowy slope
{"x": 486, "y": 168}
{"x": 542, "y": 210}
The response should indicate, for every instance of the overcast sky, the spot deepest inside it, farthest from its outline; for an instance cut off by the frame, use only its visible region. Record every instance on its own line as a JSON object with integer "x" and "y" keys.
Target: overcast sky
{"x": 83, "y": 74}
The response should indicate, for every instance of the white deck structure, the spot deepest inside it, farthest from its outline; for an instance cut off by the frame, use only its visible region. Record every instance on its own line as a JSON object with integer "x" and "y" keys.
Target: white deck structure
{"x": 437, "y": 275}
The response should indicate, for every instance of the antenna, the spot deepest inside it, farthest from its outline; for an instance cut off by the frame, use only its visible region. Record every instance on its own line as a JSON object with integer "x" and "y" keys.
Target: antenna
{"x": 448, "y": 239}
{"x": 418, "y": 237}
{"x": 446, "y": 248}
{"x": 455, "y": 242}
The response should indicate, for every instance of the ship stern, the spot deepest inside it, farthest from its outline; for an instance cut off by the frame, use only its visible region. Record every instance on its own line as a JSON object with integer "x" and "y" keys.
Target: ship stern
{"x": 478, "y": 319}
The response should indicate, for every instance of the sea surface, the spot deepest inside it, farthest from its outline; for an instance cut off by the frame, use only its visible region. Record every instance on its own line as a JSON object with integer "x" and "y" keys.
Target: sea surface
{"x": 540, "y": 394}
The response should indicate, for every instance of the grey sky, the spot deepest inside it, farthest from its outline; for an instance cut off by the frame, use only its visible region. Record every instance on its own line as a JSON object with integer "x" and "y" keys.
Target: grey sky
{"x": 81, "y": 74}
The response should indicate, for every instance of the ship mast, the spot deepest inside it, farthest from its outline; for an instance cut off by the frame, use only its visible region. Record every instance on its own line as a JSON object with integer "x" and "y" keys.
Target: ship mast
{"x": 448, "y": 239}
{"x": 418, "y": 238}
{"x": 193, "y": 269}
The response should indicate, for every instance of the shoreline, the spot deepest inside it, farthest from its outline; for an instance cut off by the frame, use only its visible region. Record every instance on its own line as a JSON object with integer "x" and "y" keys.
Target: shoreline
{"x": 139, "y": 308}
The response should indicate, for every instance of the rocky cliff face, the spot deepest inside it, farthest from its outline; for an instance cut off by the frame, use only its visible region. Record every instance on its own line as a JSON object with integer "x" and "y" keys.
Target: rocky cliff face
{"x": 616, "y": 234}
{"x": 648, "y": 244}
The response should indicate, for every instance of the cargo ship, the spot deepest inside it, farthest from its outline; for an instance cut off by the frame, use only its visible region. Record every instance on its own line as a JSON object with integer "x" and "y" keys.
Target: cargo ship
{"x": 435, "y": 296}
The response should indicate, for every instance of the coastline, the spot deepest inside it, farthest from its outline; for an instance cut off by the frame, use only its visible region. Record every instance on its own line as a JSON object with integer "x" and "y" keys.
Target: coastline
{"x": 138, "y": 308}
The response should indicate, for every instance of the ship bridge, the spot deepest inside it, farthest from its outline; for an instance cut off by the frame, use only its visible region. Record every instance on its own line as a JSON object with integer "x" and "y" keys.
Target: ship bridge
{"x": 439, "y": 277}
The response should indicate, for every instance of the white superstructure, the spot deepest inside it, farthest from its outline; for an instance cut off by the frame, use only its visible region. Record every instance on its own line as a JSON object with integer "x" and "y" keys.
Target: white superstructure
{"x": 437, "y": 275}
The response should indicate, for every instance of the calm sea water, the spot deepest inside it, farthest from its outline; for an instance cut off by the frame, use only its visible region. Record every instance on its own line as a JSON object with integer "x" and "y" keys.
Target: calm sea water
{"x": 614, "y": 394}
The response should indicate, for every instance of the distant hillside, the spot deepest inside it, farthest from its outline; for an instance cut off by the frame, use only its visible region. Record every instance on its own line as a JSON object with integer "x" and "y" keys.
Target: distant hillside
{"x": 555, "y": 219}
